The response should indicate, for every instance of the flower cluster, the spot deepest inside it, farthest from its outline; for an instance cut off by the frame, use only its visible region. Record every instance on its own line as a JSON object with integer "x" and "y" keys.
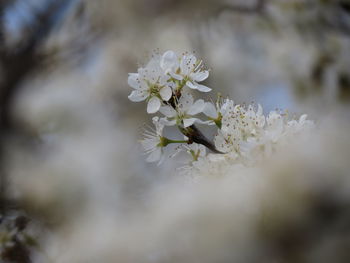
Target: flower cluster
{"x": 165, "y": 75}
{"x": 244, "y": 134}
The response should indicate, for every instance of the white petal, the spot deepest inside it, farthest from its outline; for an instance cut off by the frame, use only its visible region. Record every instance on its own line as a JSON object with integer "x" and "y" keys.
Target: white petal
{"x": 166, "y": 93}
{"x": 133, "y": 80}
{"x": 168, "y": 56}
{"x": 188, "y": 122}
{"x": 153, "y": 105}
{"x": 176, "y": 76}
{"x": 191, "y": 85}
{"x": 154, "y": 61}
{"x": 187, "y": 64}
{"x": 302, "y": 118}
{"x": 194, "y": 85}
{"x": 149, "y": 144}
{"x": 228, "y": 106}
{"x": 137, "y": 95}
{"x": 202, "y": 88}
{"x": 220, "y": 142}
{"x": 185, "y": 101}
{"x": 200, "y": 76}
{"x": 159, "y": 126}
{"x": 155, "y": 155}
{"x": 168, "y": 111}
{"x": 167, "y": 122}
{"x": 169, "y": 61}
{"x": 196, "y": 108}
{"x": 210, "y": 110}
{"x": 205, "y": 122}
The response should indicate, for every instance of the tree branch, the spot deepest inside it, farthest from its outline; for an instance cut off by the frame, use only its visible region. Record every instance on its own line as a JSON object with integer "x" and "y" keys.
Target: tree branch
{"x": 16, "y": 66}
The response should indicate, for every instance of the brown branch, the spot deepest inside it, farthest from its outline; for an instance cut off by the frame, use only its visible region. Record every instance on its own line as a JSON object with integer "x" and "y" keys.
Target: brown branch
{"x": 192, "y": 133}
{"x": 195, "y": 135}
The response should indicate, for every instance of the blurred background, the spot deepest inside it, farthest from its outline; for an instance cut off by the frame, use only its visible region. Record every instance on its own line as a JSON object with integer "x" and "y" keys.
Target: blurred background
{"x": 75, "y": 186}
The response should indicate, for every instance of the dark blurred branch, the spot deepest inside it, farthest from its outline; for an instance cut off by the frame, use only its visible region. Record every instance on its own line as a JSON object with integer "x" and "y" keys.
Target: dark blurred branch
{"x": 16, "y": 65}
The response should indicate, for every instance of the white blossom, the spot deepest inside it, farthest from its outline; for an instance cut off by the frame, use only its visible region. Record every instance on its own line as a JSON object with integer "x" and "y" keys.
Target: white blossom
{"x": 295, "y": 126}
{"x": 187, "y": 69}
{"x": 217, "y": 111}
{"x": 275, "y": 126}
{"x": 247, "y": 134}
{"x": 196, "y": 151}
{"x": 154, "y": 142}
{"x": 198, "y": 155}
{"x": 150, "y": 83}
{"x": 220, "y": 108}
{"x": 238, "y": 125}
{"x": 183, "y": 114}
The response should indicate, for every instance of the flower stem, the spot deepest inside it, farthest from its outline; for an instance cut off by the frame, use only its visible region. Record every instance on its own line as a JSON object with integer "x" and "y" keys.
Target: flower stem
{"x": 165, "y": 141}
{"x": 177, "y": 141}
